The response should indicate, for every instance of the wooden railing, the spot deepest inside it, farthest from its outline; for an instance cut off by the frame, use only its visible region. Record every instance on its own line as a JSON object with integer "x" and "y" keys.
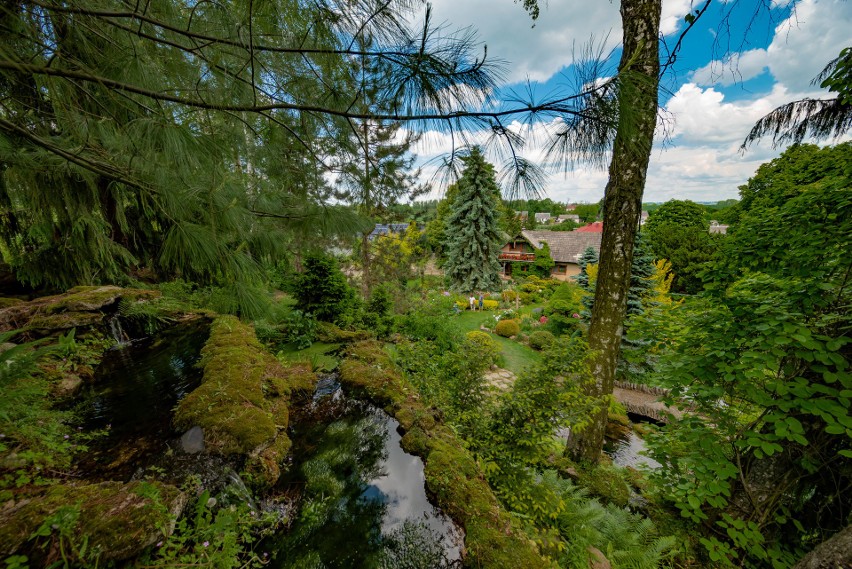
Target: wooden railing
{"x": 504, "y": 256}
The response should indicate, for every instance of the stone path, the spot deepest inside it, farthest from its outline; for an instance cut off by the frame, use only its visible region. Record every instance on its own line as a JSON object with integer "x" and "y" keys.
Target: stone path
{"x": 500, "y": 379}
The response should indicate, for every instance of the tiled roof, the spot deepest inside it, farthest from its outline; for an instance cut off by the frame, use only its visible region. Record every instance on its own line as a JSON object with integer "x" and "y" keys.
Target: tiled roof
{"x": 565, "y": 246}
{"x": 596, "y": 227}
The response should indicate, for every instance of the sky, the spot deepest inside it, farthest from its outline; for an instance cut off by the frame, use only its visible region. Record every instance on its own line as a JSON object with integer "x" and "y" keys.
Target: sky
{"x": 729, "y": 74}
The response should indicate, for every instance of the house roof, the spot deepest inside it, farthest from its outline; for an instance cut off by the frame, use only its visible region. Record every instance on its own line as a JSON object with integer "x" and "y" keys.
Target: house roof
{"x": 542, "y": 216}
{"x": 569, "y": 217}
{"x": 384, "y": 229}
{"x": 596, "y": 227}
{"x": 565, "y": 246}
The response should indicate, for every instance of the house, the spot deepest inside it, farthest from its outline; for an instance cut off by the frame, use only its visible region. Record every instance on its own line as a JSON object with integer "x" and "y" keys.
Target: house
{"x": 568, "y": 217}
{"x": 596, "y": 227}
{"x": 384, "y": 229}
{"x": 566, "y": 248}
{"x": 522, "y": 215}
{"x": 542, "y": 217}
{"x": 715, "y": 227}
{"x": 643, "y": 217}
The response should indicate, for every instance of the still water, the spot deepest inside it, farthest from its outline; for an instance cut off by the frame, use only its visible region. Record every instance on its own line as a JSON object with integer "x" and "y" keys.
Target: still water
{"x": 364, "y": 503}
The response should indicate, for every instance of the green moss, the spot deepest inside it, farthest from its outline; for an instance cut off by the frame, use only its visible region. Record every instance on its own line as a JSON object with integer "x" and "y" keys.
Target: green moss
{"x": 117, "y": 520}
{"x": 242, "y": 402}
{"x": 607, "y": 482}
{"x": 6, "y": 302}
{"x": 65, "y": 320}
{"x": 86, "y": 298}
{"x": 492, "y": 538}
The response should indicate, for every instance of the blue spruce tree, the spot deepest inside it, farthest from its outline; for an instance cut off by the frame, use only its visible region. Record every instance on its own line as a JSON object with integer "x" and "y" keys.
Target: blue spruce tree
{"x": 472, "y": 236}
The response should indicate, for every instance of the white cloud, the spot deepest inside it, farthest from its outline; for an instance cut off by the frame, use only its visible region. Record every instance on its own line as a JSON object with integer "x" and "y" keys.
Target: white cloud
{"x": 536, "y": 52}
{"x": 672, "y": 15}
{"x": 735, "y": 69}
{"x": 803, "y": 43}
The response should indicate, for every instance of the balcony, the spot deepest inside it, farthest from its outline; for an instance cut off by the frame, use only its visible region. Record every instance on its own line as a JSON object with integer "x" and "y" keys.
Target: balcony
{"x": 513, "y": 256}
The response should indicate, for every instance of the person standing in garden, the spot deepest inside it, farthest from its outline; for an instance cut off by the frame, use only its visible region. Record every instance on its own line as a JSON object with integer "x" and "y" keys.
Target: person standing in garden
{"x": 472, "y": 302}
{"x": 480, "y": 302}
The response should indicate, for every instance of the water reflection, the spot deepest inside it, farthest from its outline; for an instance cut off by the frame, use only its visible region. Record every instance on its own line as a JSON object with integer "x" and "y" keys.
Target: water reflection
{"x": 629, "y": 450}
{"x": 363, "y": 498}
{"x": 132, "y": 397}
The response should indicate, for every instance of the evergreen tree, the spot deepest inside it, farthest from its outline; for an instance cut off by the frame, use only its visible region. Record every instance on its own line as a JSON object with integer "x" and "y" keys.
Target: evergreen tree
{"x": 589, "y": 256}
{"x": 632, "y": 364}
{"x": 472, "y": 240}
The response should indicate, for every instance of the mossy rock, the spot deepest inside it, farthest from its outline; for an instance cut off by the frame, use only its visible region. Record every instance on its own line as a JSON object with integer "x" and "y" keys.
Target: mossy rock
{"x": 65, "y": 320}
{"x": 331, "y": 334}
{"x": 117, "y": 520}
{"x": 263, "y": 469}
{"x": 242, "y": 402}
{"x": 88, "y": 298}
{"x": 606, "y": 482}
{"x": 415, "y": 442}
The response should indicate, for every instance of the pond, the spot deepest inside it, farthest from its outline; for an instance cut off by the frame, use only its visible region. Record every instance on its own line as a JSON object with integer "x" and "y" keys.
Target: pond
{"x": 363, "y": 499}
{"x": 132, "y": 398}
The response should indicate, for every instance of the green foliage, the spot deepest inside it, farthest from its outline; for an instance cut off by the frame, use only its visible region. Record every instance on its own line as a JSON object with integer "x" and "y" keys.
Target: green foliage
{"x": 587, "y": 212}
{"x": 431, "y": 321}
{"x": 472, "y": 240}
{"x": 683, "y": 213}
{"x": 484, "y": 345}
{"x": 322, "y": 289}
{"x": 378, "y": 314}
{"x": 301, "y": 329}
{"x": 544, "y": 263}
{"x": 541, "y": 339}
{"x": 225, "y": 538}
{"x": 564, "y": 308}
{"x": 507, "y": 328}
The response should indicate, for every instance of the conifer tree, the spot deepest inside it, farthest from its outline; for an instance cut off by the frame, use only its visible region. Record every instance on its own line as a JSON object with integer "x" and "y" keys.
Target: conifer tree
{"x": 589, "y": 256}
{"x": 472, "y": 240}
{"x": 632, "y": 364}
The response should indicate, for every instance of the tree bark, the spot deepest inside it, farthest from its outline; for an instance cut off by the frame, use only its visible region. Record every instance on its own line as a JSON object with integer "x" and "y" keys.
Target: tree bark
{"x": 639, "y": 70}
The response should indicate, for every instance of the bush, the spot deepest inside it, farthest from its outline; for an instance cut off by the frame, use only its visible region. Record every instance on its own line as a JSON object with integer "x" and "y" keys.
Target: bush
{"x": 483, "y": 344}
{"x": 490, "y": 304}
{"x": 541, "y": 340}
{"x": 507, "y": 328}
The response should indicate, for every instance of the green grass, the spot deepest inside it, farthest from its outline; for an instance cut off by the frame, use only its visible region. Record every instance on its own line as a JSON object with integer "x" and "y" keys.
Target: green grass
{"x": 318, "y": 354}
{"x": 517, "y": 357}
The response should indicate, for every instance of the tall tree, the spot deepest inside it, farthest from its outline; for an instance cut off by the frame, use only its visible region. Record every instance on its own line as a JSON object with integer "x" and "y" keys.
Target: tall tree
{"x": 472, "y": 237}
{"x": 638, "y": 72}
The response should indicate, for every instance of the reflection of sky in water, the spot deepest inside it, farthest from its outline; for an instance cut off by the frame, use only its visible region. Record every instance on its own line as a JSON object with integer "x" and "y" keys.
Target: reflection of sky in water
{"x": 402, "y": 489}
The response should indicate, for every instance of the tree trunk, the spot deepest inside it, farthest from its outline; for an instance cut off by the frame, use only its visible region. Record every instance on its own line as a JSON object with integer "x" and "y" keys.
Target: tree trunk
{"x": 637, "y": 107}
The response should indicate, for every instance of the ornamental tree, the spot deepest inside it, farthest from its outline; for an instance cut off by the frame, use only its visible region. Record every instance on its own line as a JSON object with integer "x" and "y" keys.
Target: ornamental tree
{"x": 472, "y": 239}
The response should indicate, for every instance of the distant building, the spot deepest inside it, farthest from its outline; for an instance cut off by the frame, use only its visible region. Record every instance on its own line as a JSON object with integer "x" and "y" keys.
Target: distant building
{"x": 542, "y": 217}
{"x": 716, "y": 227}
{"x": 596, "y": 227}
{"x": 384, "y": 229}
{"x": 643, "y": 217}
{"x": 566, "y": 248}
{"x": 522, "y": 215}
{"x": 568, "y": 217}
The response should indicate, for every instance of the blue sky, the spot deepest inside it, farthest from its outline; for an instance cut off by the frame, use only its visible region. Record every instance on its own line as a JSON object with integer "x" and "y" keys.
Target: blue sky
{"x": 723, "y": 81}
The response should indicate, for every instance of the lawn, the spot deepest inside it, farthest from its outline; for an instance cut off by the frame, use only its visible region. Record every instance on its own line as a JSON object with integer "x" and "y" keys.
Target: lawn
{"x": 516, "y": 356}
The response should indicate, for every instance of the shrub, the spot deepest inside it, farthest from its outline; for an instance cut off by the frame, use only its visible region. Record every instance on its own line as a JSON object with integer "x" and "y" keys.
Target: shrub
{"x": 483, "y": 344}
{"x": 490, "y": 304}
{"x": 507, "y": 328}
{"x": 541, "y": 339}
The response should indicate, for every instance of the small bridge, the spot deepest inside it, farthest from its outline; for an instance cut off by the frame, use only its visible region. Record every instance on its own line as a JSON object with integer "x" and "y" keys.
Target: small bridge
{"x": 644, "y": 400}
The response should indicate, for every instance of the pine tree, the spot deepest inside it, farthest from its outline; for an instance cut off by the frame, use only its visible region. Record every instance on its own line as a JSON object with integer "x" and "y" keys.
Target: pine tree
{"x": 473, "y": 240}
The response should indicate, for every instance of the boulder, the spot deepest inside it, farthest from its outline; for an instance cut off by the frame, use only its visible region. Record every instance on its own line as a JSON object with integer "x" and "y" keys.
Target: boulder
{"x": 118, "y": 521}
